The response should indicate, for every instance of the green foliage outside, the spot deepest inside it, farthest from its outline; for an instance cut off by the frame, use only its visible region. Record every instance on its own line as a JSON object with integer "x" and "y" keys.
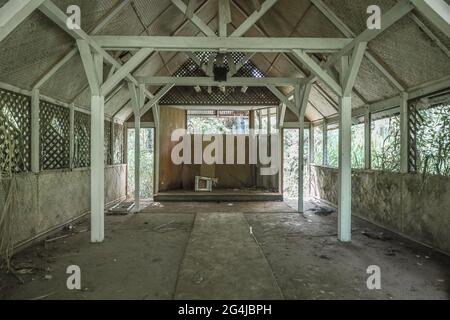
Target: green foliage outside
{"x": 333, "y": 148}
{"x": 433, "y": 141}
{"x": 215, "y": 125}
{"x": 147, "y": 169}
{"x": 358, "y": 154}
{"x": 290, "y": 180}
{"x": 357, "y": 147}
{"x": 318, "y": 145}
{"x": 386, "y": 144}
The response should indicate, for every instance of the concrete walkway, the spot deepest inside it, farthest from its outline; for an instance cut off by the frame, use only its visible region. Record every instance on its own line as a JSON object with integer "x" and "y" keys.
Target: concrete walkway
{"x": 208, "y": 251}
{"x": 223, "y": 261}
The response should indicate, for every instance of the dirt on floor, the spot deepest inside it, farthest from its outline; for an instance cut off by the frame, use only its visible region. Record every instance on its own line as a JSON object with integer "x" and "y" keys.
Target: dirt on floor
{"x": 228, "y": 251}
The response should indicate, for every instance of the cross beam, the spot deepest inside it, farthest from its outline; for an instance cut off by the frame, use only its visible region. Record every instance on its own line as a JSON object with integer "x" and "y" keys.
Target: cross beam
{"x": 221, "y": 44}
{"x": 59, "y": 17}
{"x": 208, "y": 81}
{"x": 398, "y": 11}
{"x": 189, "y": 11}
{"x": 261, "y": 10}
{"x": 111, "y": 15}
{"x": 437, "y": 11}
{"x": 14, "y": 13}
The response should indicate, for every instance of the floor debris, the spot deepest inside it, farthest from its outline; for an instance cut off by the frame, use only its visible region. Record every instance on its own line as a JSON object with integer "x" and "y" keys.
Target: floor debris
{"x": 376, "y": 236}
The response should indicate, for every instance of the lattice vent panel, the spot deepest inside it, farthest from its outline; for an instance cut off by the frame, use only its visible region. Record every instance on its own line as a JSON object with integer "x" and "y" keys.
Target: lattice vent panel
{"x": 54, "y": 136}
{"x": 231, "y": 96}
{"x": 118, "y": 143}
{"x": 15, "y": 132}
{"x": 82, "y": 142}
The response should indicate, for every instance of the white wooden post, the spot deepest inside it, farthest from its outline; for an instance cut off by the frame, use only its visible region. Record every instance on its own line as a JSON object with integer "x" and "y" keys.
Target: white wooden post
{"x": 93, "y": 66}
{"x": 311, "y": 155}
{"x": 345, "y": 168}
{"x": 404, "y": 132}
{"x": 301, "y": 101}
{"x": 301, "y": 150}
{"x": 98, "y": 157}
{"x": 97, "y": 169}
{"x": 35, "y": 132}
{"x": 137, "y": 161}
{"x": 367, "y": 140}
{"x": 325, "y": 142}
{"x": 137, "y": 98}
{"x": 156, "y": 116}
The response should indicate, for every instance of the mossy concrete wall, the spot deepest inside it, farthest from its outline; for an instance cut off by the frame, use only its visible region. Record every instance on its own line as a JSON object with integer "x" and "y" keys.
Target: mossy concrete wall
{"x": 48, "y": 200}
{"x": 409, "y": 204}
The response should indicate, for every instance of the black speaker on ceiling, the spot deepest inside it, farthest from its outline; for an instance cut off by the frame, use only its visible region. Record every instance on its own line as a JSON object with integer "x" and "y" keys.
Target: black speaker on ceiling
{"x": 220, "y": 73}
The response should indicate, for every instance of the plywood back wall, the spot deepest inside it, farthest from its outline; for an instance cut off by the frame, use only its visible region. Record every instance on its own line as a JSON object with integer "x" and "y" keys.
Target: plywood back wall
{"x": 170, "y": 175}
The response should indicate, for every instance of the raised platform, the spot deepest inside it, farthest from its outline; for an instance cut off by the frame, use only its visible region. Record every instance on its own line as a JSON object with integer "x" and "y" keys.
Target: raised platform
{"x": 217, "y": 196}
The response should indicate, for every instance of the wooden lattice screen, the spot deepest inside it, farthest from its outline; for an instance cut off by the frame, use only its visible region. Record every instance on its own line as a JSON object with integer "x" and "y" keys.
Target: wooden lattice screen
{"x": 15, "y": 132}
{"x": 54, "y": 136}
{"x": 82, "y": 141}
{"x": 232, "y": 96}
{"x": 118, "y": 143}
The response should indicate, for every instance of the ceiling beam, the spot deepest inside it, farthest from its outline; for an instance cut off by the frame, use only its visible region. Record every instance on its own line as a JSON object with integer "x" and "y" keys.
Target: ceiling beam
{"x": 437, "y": 11}
{"x": 177, "y": 30}
{"x": 318, "y": 71}
{"x": 224, "y": 17}
{"x": 14, "y": 12}
{"x": 256, "y": 4}
{"x": 355, "y": 64}
{"x": 402, "y": 8}
{"x": 209, "y": 81}
{"x": 346, "y": 31}
{"x": 216, "y": 44}
{"x": 126, "y": 69}
{"x": 89, "y": 67}
{"x": 253, "y": 18}
{"x": 430, "y": 34}
{"x": 161, "y": 93}
{"x": 393, "y": 102}
{"x": 59, "y": 17}
{"x": 288, "y": 56}
{"x": 189, "y": 11}
{"x": 283, "y": 98}
{"x": 103, "y": 23}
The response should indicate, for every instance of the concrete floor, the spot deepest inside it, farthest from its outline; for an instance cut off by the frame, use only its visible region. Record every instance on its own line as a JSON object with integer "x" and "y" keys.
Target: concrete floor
{"x": 229, "y": 251}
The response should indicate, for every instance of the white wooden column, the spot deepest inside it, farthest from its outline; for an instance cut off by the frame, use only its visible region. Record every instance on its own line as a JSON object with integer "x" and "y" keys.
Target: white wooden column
{"x": 404, "y": 131}
{"x": 137, "y": 98}
{"x": 345, "y": 171}
{"x": 349, "y": 68}
{"x": 345, "y": 167}
{"x": 367, "y": 140}
{"x": 311, "y": 154}
{"x": 35, "y": 132}
{"x": 93, "y": 66}
{"x": 301, "y": 169}
{"x": 156, "y": 116}
{"x": 301, "y": 101}
{"x": 137, "y": 161}
{"x": 325, "y": 142}
{"x": 97, "y": 169}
